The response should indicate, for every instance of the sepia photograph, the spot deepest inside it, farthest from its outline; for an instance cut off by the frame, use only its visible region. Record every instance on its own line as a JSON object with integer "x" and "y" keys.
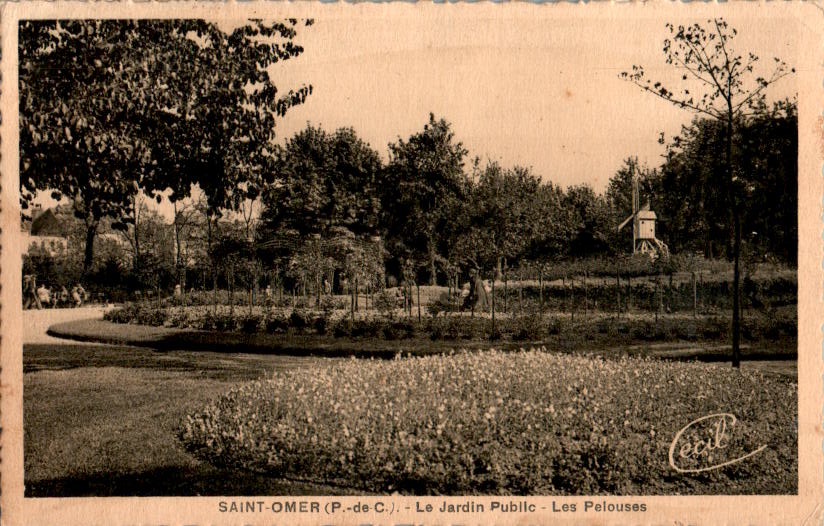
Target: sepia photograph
{"x": 451, "y": 262}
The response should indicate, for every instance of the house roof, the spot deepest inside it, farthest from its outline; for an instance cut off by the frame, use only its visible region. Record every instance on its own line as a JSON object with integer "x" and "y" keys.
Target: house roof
{"x": 646, "y": 214}
{"x": 48, "y": 224}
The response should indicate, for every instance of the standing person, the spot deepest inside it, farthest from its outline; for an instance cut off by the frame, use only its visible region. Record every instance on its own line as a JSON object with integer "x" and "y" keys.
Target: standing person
{"x": 269, "y": 297}
{"x": 44, "y": 295}
{"x": 30, "y": 298}
{"x": 77, "y": 295}
{"x": 478, "y": 298}
{"x": 63, "y": 296}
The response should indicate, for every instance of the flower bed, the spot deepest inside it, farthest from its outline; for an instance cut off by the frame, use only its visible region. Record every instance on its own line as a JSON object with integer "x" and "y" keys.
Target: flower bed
{"x": 495, "y": 423}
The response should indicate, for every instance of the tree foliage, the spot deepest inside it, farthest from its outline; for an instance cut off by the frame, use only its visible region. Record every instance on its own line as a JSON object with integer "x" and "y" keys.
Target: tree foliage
{"x": 424, "y": 178}
{"x": 112, "y": 107}
{"x": 325, "y": 181}
{"x": 697, "y": 214}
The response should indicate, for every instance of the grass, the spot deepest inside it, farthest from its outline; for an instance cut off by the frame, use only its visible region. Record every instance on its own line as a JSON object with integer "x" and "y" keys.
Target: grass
{"x": 100, "y": 420}
{"x": 169, "y": 339}
{"x": 578, "y": 337}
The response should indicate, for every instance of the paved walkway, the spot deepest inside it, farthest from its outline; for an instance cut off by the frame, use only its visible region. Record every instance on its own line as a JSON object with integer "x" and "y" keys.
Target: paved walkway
{"x": 37, "y": 322}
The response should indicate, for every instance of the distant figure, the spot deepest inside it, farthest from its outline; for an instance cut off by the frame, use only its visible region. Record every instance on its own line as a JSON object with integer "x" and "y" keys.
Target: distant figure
{"x": 62, "y": 297}
{"x": 478, "y": 298}
{"x": 78, "y": 294}
{"x": 44, "y": 295}
{"x": 268, "y": 296}
{"x": 327, "y": 288}
{"x": 465, "y": 290}
{"x": 30, "y": 298}
{"x": 178, "y": 292}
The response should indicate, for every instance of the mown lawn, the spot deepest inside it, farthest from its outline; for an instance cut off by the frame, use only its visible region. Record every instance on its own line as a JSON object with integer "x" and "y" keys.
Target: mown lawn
{"x": 100, "y": 420}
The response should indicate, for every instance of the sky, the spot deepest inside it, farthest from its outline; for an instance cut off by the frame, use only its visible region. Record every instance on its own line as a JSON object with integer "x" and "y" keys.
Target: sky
{"x": 538, "y": 91}
{"x": 542, "y": 93}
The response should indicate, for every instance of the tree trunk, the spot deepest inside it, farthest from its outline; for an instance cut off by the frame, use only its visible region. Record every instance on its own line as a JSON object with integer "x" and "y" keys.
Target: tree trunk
{"x": 492, "y": 336}
{"x": 572, "y": 298}
{"x": 629, "y": 293}
{"x": 432, "y": 270}
{"x": 214, "y": 288}
{"x": 418, "y": 290}
{"x": 655, "y": 298}
{"x": 506, "y": 292}
{"x": 563, "y": 294}
{"x": 351, "y": 304}
{"x": 231, "y": 283}
{"x": 736, "y": 246}
{"x": 541, "y": 291}
{"x": 91, "y": 233}
{"x": 736, "y": 294}
{"x": 694, "y": 298}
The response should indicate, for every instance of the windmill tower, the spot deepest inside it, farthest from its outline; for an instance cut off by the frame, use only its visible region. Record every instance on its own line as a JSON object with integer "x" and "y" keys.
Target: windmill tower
{"x": 643, "y": 226}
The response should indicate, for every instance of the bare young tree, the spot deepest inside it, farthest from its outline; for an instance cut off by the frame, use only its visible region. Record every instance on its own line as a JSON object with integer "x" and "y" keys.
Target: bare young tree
{"x": 185, "y": 221}
{"x": 728, "y": 90}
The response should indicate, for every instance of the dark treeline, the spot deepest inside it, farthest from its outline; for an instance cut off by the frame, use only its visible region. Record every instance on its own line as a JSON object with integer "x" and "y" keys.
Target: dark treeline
{"x": 441, "y": 212}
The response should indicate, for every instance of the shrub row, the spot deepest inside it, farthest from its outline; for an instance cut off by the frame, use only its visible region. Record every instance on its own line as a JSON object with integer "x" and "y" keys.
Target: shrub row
{"x": 494, "y": 423}
{"x": 778, "y": 325}
{"x": 302, "y": 321}
{"x": 642, "y": 295}
{"x": 240, "y": 298}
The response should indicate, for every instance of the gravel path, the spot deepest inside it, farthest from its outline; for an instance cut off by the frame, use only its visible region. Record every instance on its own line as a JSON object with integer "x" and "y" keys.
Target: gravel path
{"x": 37, "y": 322}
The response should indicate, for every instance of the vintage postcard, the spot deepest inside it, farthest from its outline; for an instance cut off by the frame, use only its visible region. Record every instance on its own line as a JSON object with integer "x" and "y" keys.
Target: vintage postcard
{"x": 385, "y": 264}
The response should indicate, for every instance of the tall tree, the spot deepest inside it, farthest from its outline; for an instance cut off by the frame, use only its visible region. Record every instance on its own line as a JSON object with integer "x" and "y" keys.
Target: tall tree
{"x": 184, "y": 223}
{"x": 726, "y": 91}
{"x": 698, "y": 214}
{"x": 325, "y": 182}
{"x": 423, "y": 178}
{"x": 591, "y": 225}
{"x": 111, "y": 106}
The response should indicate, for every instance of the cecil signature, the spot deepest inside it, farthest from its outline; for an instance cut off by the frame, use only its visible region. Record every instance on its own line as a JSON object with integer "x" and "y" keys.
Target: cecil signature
{"x": 716, "y": 438}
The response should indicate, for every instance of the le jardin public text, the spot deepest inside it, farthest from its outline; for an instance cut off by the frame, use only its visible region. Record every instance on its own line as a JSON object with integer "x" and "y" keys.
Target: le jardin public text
{"x": 508, "y": 505}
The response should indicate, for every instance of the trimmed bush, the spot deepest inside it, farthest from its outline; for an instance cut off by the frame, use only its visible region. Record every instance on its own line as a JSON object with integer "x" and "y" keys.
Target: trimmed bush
{"x": 274, "y": 324}
{"x": 386, "y": 302}
{"x": 249, "y": 323}
{"x": 776, "y": 324}
{"x": 528, "y": 328}
{"x": 300, "y": 319}
{"x": 399, "y": 330}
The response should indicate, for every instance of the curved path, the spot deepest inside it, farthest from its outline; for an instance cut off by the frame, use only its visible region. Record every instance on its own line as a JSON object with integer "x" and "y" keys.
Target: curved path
{"x": 37, "y": 322}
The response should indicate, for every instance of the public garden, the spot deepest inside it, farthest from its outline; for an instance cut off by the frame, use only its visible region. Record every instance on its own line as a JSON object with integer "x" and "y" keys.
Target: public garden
{"x": 309, "y": 315}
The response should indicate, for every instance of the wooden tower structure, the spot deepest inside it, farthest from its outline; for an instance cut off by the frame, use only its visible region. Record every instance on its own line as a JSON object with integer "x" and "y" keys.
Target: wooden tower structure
{"x": 643, "y": 227}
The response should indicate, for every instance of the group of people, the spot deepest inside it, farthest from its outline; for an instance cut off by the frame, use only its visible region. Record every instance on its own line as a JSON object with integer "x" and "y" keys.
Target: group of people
{"x": 42, "y": 297}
